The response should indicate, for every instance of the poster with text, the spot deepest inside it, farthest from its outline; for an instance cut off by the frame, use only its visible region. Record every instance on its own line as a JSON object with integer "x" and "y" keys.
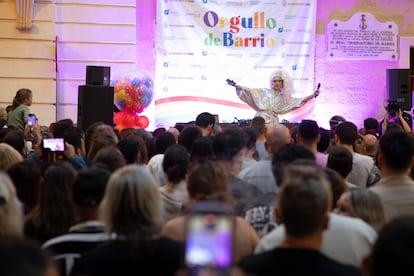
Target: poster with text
{"x": 201, "y": 43}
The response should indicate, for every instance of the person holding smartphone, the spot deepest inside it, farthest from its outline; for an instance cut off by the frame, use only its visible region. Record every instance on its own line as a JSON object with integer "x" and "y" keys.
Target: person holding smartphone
{"x": 270, "y": 103}
{"x": 19, "y": 113}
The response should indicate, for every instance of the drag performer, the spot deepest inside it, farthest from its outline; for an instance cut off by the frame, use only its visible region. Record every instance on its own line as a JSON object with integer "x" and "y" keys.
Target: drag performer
{"x": 270, "y": 103}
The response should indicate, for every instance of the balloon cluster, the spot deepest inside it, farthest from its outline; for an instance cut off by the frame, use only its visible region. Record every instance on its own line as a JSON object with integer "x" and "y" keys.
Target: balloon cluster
{"x": 132, "y": 96}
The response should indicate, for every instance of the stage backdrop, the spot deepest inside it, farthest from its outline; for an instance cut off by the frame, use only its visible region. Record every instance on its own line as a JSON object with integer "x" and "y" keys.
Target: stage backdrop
{"x": 199, "y": 44}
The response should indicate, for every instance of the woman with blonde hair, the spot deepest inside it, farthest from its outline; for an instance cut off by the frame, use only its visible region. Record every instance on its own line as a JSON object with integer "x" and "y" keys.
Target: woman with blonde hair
{"x": 363, "y": 204}
{"x": 11, "y": 209}
{"x": 131, "y": 213}
{"x": 207, "y": 181}
{"x": 9, "y": 156}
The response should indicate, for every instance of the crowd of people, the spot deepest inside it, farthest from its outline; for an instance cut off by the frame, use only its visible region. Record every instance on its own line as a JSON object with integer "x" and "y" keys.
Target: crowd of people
{"x": 302, "y": 200}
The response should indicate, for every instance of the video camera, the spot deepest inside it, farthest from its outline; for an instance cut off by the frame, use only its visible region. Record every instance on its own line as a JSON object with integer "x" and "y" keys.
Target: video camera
{"x": 393, "y": 108}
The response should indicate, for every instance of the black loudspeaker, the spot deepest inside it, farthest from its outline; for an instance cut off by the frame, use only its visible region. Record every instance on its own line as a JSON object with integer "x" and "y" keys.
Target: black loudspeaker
{"x": 98, "y": 75}
{"x": 95, "y": 104}
{"x": 399, "y": 87}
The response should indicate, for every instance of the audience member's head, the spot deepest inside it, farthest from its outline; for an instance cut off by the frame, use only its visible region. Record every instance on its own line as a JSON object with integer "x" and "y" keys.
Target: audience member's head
{"x": 202, "y": 150}
{"x": 208, "y": 181}
{"x": 340, "y": 160}
{"x": 325, "y": 140}
{"x": 308, "y": 132}
{"x": 131, "y": 206}
{"x": 305, "y": 201}
{"x": 15, "y": 138}
{"x": 131, "y": 149}
{"x": 75, "y": 137}
{"x": 369, "y": 145}
{"x": 23, "y": 96}
{"x": 24, "y": 257}
{"x": 286, "y": 155}
{"x": 393, "y": 249}
{"x": 163, "y": 141}
{"x": 175, "y": 163}
{"x": 89, "y": 187}
{"x": 144, "y": 139}
{"x": 346, "y": 133}
{"x": 335, "y": 121}
{"x": 206, "y": 122}
{"x": 364, "y": 204}
{"x": 396, "y": 151}
{"x": 277, "y": 136}
{"x": 8, "y": 156}
{"x": 259, "y": 124}
{"x": 11, "y": 211}
{"x": 188, "y": 135}
{"x": 174, "y": 132}
{"x": 229, "y": 146}
{"x": 90, "y": 133}
{"x": 109, "y": 158}
{"x": 104, "y": 135}
{"x": 26, "y": 177}
{"x": 55, "y": 211}
{"x": 370, "y": 126}
{"x": 61, "y": 126}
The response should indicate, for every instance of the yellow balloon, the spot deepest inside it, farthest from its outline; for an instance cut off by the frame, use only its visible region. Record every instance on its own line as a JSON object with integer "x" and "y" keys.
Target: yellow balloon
{"x": 121, "y": 94}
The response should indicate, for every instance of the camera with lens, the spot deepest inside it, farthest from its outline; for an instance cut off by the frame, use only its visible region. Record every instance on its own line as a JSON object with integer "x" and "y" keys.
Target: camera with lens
{"x": 393, "y": 108}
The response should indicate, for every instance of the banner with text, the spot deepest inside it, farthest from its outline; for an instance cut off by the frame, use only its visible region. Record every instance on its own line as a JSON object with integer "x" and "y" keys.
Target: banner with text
{"x": 200, "y": 44}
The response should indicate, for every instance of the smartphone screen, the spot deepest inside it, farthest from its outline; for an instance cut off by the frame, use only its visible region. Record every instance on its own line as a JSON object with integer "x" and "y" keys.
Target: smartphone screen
{"x": 209, "y": 241}
{"x": 54, "y": 144}
{"x": 31, "y": 120}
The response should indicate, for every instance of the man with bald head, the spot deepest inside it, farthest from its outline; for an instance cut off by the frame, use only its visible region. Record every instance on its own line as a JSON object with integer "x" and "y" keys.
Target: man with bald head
{"x": 369, "y": 145}
{"x": 260, "y": 174}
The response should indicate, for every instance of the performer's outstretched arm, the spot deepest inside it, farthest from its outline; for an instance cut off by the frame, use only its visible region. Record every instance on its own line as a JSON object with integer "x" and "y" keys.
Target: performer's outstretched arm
{"x": 312, "y": 96}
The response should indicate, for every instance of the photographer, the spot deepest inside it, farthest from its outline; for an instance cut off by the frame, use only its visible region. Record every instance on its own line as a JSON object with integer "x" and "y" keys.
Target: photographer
{"x": 394, "y": 117}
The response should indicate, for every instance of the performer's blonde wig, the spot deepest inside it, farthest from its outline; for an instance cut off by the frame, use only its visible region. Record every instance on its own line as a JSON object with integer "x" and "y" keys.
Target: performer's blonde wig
{"x": 287, "y": 81}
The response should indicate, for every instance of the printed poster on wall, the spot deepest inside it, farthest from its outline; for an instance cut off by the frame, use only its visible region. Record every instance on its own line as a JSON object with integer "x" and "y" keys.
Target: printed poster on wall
{"x": 200, "y": 44}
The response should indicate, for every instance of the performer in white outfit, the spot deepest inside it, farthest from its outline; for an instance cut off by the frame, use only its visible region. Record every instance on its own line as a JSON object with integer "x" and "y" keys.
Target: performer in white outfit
{"x": 270, "y": 103}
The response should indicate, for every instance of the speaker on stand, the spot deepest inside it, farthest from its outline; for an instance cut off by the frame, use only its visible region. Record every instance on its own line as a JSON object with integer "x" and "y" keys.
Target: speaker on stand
{"x": 96, "y": 98}
{"x": 95, "y": 104}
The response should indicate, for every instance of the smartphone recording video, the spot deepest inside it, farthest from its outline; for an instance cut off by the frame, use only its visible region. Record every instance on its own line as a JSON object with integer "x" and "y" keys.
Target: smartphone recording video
{"x": 31, "y": 120}
{"x": 54, "y": 144}
{"x": 209, "y": 243}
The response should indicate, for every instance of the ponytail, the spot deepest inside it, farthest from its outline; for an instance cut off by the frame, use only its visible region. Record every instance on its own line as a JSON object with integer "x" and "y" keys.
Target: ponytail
{"x": 21, "y": 95}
